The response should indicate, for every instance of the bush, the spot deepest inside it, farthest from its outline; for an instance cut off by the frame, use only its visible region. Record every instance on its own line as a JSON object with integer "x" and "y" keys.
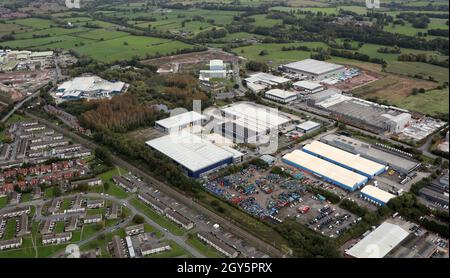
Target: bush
{"x": 138, "y": 219}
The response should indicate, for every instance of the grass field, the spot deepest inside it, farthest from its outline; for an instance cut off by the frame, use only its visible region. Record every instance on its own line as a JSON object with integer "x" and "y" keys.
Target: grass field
{"x": 408, "y": 29}
{"x": 3, "y": 202}
{"x": 275, "y": 55}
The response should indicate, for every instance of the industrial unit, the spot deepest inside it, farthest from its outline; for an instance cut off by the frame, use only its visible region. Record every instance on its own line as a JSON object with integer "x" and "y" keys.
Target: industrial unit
{"x": 308, "y": 87}
{"x": 308, "y": 126}
{"x": 330, "y": 172}
{"x": 281, "y": 95}
{"x": 249, "y": 123}
{"x": 373, "y": 116}
{"x": 376, "y": 195}
{"x": 180, "y": 121}
{"x": 395, "y": 161}
{"x": 89, "y": 87}
{"x": 260, "y": 81}
{"x": 313, "y": 69}
{"x": 345, "y": 159}
{"x": 196, "y": 156}
{"x": 379, "y": 242}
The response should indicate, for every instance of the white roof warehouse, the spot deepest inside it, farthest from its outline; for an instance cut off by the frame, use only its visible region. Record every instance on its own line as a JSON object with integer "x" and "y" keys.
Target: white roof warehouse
{"x": 330, "y": 172}
{"x": 345, "y": 159}
{"x": 379, "y": 242}
{"x": 314, "y": 69}
{"x": 195, "y": 155}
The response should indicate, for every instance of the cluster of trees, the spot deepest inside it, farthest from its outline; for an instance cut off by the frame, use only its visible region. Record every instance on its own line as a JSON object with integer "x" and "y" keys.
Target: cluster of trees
{"x": 389, "y": 50}
{"x": 120, "y": 114}
{"x": 356, "y": 56}
{"x": 438, "y": 32}
{"x": 424, "y": 58}
{"x": 300, "y": 47}
{"x": 306, "y": 243}
{"x": 214, "y": 33}
{"x": 409, "y": 207}
{"x": 256, "y": 66}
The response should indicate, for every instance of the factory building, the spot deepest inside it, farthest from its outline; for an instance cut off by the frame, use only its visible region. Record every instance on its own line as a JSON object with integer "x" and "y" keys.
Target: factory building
{"x": 313, "y": 69}
{"x": 328, "y": 171}
{"x": 249, "y": 123}
{"x": 307, "y": 127}
{"x": 216, "y": 69}
{"x": 281, "y": 96}
{"x": 260, "y": 81}
{"x": 308, "y": 87}
{"x": 376, "y": 195}
{"x": 379, "y": 242}
{"x": 89, "y": 87}
{"x": 369, "y": 115}
{"x": 216, "y": 65}
{"x": 345, "y": 159}
{"x": 195, "y": 156}
{"x": 180, "y": 121}
{"x": 374, "y": 153}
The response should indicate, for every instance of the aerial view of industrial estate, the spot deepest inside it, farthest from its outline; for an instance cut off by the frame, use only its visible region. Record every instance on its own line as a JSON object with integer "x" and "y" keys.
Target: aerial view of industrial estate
{"x": 224, "y": 129}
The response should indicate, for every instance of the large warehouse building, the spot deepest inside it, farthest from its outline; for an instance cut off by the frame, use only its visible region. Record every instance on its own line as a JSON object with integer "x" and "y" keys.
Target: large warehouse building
{"x": 195, "y": 155}
{"x": 376, "y": 195}
{"x": 379, "y": 242}
{"x": 282, "y": 96}
{"x": 398, "y": 163}
{"x": 245, "y": 122}
{"x": 180, "y": 121}
{"x": 330, "y": 172}
{"x": 313, "y": 69}
{"x": 345, "y": 159}
{"x": 89, "y": 87}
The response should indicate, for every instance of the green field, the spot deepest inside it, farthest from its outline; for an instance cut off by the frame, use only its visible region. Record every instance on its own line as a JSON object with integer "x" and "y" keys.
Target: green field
{"x": 431, "y": 102}
{"x": 275, "y": 55}
{"x": 407, "y": 29}
{"x": 3, "y": 201}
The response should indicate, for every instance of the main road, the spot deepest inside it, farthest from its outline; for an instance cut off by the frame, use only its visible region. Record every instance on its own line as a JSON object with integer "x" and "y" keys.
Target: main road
{"x": 170, "y": 191}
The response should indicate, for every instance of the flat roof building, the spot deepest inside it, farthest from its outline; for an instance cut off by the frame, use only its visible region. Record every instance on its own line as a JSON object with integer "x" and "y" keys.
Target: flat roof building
{"x": 246, "y": 122}
{"x": 282, "y": 96}
{"x": 195, "y": 155}
{"x": 376, "y": 195}
{"x": 379, "y": 242}
{"x": 179, "y": 219}
{"x": 308, "y": 126}
{"x": 180, "y": 121}
{"x": 218, "y": 244}
{"x": 308, "y": 86}
{"x": 330, "y": 172}
{"x": 260, "y": 81}
{"x": 56, "y": 238}
{"x": 156, "y": 204}
{"x": 345, "y": 159}
{"x": 89, "y": 87}
{"x": 313, "y": 69}
{"x": 148, "y": 248}
{"x": 372, "y": 152}
{"x": 134, "y": 230}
